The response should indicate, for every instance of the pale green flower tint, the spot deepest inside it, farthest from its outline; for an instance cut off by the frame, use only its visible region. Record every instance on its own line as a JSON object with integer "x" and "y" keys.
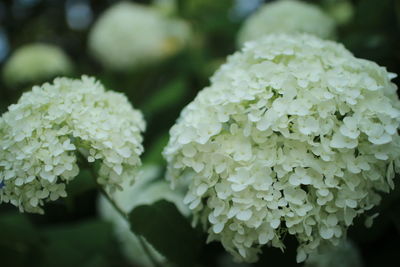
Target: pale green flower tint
{"x": 345, "y": 254}
{"x": 42, "y": 135}
{"x": 146, "y": 190}
{"x": 167, "y": 7}
{"x": 293, "y": 136}
{"x": 129, "y": 35}
{"x": 342, "y": 11}
{"x": 287, "y": 16}
{"x": 36, "y": 62}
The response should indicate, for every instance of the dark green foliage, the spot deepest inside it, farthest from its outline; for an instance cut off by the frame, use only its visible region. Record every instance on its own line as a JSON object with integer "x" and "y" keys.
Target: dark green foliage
{"x": 163, "y": 226}
{"x": 84, "y": 244}
{"x": 87, "y": 243}
{"x": 19, "y": 240}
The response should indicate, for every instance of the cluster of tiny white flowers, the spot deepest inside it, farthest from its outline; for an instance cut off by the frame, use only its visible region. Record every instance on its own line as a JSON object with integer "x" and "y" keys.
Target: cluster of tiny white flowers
{"x": 293, "y": 136}
{"x": 41, "y": 136}
{"x": 36, "y": 62}
{"x": 287, "y": 16}
{"x": 146, "y": 190}
{"x": 129, "y": 35}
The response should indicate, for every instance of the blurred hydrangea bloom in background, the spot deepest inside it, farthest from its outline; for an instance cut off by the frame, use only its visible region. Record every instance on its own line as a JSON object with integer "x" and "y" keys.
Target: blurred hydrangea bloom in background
{"x": 128, "y": 35}
{"x": 287, "y": 16}
{"x": 36, "y": 63}
{"x": 345, "y": 254}
{"x": 42, "y": 134}
{"x": 294, "y": 136}
{"x": 342, "y": 11}
{"x": 146, "y": 190}
{"x": 166, "y": 7}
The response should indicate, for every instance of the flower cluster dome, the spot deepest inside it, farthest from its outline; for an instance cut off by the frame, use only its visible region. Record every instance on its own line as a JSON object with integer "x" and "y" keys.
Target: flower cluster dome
{"x": 36, "y": 62}
{"x": 287, "y": 16}
{"x": 294, "y": 136}
{"x": 146, "y": 190}
{"x": 43, "y": 134}
{"x": 129, "y": 35}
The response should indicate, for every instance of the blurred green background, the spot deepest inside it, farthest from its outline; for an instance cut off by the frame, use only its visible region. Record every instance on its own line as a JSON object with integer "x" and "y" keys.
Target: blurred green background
{"x": 70, "y": 233}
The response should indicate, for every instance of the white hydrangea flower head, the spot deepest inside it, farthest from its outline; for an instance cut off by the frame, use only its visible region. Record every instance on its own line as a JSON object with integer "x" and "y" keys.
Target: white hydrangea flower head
{"x": 345, "y": 254}
{"x": 42, "y": 135}
{"x": 128, "y": 35}
{"x": 146, "y": 190}
{"x": 294, "y": 136}
{"x": 36, "y": 62}
{"x": 287, "y": 16}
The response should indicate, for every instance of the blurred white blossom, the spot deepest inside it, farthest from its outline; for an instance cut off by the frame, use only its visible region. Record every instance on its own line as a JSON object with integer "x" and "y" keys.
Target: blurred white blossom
{"x": 42, "y": 135}
{"x": 342, "y": 11}
{"x": 36, "y": 62}
{"x": 287, "y": 16}
{"x": 293, "y": 136}
{"x": 129, "y": 35}
{"x": 166, "y": 7}
{"x": 146, "y": 190}
{"x": 345, "y": 254}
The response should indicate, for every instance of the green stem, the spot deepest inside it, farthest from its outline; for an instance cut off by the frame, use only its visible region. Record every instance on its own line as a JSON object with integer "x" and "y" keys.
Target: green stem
{"x": 112, "y": 202}
{"x": 126, "y": 218}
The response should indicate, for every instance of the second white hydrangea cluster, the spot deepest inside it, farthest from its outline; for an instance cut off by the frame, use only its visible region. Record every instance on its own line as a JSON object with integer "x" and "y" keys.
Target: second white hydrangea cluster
{"x": 129, "y": 35}
{"x": 293, "y": 136}
{"x": 287, "y": 16}
{"x": 41, "y": 136}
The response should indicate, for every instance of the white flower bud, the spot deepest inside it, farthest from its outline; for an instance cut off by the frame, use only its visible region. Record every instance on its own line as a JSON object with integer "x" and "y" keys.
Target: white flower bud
{"x": 130, "y": 35}
{"x": 36, "y": 63}
{"x": 287, "y": 16}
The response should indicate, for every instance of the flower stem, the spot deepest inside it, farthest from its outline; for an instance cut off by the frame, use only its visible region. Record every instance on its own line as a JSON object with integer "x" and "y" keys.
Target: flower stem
{"x": 125, "y": 216}
{"x": 112, "y": 202}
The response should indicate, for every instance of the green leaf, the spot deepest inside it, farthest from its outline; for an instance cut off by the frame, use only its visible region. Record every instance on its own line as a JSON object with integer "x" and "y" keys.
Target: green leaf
{"x": 166, "y": 97}
{"x": 16, "y": 227}
{"x": 77, "y": 188}
{"x": 81, "y": 184}
{"x": 168, "y": 231}
{"x": 82, "y": 244}
{"x": 153, "y": 155}
{"x": 374, "y": 14}
{"x": 20, "y": 243}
